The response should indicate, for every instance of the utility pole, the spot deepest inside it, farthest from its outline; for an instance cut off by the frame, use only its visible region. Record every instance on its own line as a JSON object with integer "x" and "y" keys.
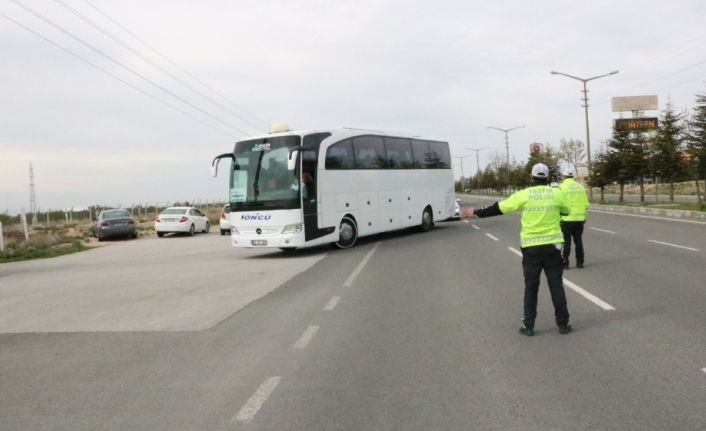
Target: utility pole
{"x": 462, "y": 176}
{"x": 32, "y": 197}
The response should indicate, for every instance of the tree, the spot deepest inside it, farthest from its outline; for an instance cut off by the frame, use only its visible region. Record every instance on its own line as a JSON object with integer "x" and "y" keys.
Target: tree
{"x": 618, "y": 152}
{"x": 667, "y": 147}
{"x": 696, "y": 142}
{"x": 572, "y": 151}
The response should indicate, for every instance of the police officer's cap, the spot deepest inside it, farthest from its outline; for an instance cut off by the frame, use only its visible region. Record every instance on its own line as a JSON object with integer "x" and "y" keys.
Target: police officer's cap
{"x": 540, "y": 170}
{"x": 568, "y": 173}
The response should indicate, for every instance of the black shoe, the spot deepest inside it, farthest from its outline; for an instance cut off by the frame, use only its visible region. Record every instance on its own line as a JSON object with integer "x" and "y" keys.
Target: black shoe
{"x": 566, "y": 265}
{"x": 564, "y": 329}
{"x": 579, "y": 265}
{"x": 527, "y": 331}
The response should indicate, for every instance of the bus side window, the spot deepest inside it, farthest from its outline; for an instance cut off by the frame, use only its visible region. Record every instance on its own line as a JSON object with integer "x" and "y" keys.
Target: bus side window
{"x": 369, "y": 152}
{"x": 340, "y": 155}
{"x": 420, "y": 149}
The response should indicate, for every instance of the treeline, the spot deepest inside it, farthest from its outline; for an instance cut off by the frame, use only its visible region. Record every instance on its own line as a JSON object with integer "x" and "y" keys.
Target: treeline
{"x": 674, "y": 152}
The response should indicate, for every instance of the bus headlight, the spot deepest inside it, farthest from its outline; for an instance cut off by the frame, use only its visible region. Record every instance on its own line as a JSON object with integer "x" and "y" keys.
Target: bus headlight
{"x": 292, "y": 228}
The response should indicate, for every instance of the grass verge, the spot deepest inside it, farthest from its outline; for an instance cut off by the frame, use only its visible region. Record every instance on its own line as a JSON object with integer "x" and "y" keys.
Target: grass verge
{"x": 40, "y": 252}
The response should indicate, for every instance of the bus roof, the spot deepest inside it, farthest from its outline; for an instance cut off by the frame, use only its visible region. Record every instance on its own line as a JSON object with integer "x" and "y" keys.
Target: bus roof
{"x": 343, "y": 132}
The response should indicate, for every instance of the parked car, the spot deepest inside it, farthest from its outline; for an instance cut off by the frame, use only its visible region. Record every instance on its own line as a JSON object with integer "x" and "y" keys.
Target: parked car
{"x": 114, "y": 223}
{"x": 457, "y": 209}
{"x": 181, "y": 220}
{"x": 224, "y": 221}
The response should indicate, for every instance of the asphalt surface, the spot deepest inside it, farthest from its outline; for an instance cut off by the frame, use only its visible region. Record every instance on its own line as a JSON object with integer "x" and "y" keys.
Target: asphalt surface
{"x": 406, "y": 331}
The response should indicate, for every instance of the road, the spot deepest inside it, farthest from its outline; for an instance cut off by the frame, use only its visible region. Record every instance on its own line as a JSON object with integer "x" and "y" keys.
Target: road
{"x": 406, "y": 331}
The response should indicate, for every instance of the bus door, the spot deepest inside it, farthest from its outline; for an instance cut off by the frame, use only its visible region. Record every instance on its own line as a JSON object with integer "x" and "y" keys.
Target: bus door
{"x": 309, "y": 186}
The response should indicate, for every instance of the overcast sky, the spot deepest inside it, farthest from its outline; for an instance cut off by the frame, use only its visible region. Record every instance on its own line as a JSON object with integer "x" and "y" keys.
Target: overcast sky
{"x": 444, "y": 69}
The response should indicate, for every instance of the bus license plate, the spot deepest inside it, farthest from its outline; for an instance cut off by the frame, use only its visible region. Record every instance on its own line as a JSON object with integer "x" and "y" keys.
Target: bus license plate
{"x": 259, "y": 242}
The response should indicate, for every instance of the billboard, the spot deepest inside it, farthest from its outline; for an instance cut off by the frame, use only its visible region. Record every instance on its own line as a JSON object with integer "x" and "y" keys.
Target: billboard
{"x": 647, "y": 123}
{"x": 634, "y": 103}
{"x": 536, "y": 147}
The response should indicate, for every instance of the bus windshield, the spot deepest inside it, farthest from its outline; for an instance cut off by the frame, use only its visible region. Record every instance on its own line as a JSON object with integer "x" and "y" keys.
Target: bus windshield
{"x": 260, "y": 178}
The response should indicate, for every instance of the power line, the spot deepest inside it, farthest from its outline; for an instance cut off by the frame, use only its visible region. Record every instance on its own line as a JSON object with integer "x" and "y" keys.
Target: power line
{"x": 143, "y": 57}
{"x": 253, "y": 119}
{"x": 113, "y": 75}
{"x": 93, "y": 48}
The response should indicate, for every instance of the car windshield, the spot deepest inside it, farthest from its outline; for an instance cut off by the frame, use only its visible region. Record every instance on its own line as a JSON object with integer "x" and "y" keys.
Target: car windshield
{"x": 107, "y": 215}
{"x": 260, "y": 177}
{"x": 174, "y": 211}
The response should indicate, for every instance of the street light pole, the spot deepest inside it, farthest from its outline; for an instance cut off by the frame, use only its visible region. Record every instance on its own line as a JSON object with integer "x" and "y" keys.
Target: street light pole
{"x": 462, "y": 176}
{"x": 477, "y": 150}
{"x": 585, "y": 106}
{"x": 507, "y": 143}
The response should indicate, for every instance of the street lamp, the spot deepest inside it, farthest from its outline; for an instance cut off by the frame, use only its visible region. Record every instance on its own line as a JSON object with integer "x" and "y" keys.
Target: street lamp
{"x": 585, "y": 106}
{"x": 507, "y": 144}
{"x": 462, "y": 176}
{"x": 477, "y": 150}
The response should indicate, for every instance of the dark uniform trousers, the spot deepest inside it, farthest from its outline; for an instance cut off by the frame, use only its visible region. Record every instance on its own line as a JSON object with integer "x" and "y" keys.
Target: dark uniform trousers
{"x": 573, "y": 229}
{"x": 534, "y": 260}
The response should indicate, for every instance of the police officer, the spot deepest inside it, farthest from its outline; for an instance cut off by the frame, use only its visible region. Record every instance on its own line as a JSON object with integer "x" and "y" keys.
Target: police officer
{"x": 572, "y": 224}
{"x": 541, "y": 239}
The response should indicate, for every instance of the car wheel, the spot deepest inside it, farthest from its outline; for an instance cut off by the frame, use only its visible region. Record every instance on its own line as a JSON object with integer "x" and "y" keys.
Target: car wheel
{"x": 223, "y": 232}
{"x": 192, "y": 230}
{"x": 347, "y": 233}
{"x": 208, "y": 227}
{"x": 160, "y": 234}
{"x": 427, "y": 220}
{"x": 100, "y": 237}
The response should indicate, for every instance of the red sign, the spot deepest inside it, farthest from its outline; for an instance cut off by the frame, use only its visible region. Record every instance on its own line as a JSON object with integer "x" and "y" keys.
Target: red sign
{"x": 536, "y": 148}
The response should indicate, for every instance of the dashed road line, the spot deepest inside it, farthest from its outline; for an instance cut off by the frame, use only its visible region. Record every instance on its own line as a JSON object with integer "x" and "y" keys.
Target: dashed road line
{"x": 306, "y": 337}
{"x": 516, "y": 251}
{"x": 491, "y": 237}
{"x": 673, "y": 245}
{"x": 253, "y": 405}
{"x": 359, "y": 268}
{"x": 475, "y": 227}
{"x": 332, "y": 303}
{"x": 704, "y": 370}
{"x": 602, "y": 230}
{"x": 466, "y": 221}
{"x": 591, "y": 297}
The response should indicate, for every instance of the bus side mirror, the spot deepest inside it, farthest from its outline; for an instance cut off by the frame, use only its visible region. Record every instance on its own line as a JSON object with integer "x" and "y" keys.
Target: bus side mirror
{"x": 214, "y": 163}
{"x": 292, "y": 161}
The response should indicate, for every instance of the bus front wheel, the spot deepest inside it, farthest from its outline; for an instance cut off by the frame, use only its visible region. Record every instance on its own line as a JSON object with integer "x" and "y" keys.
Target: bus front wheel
{"x": 427, "y": 220}
{"x": 347, "y": 233}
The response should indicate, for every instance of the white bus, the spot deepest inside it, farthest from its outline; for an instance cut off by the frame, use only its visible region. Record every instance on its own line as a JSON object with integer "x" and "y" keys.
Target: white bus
{"x": 293, "y": 189}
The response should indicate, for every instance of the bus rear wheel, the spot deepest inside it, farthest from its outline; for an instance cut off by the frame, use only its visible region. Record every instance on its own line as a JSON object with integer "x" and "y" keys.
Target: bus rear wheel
{"x": 427, "y": 220}
{"x": 347, "y": 233}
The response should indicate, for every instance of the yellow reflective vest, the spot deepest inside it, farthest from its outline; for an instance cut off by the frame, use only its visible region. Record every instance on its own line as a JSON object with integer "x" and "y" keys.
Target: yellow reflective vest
{"x": 578, "y": 201}
{"x": 541, "y": 208}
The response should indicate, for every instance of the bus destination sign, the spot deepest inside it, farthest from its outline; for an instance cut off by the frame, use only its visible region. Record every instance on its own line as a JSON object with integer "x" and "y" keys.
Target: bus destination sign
{"x": 647, "y": 123}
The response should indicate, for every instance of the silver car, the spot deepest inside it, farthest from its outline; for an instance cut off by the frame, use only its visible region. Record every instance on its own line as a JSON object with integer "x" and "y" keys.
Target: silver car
{"x": 114, "y": 223}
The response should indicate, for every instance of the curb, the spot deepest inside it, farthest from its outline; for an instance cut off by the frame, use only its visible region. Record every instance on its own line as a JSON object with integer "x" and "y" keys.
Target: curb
{"x": 656, "y": 212}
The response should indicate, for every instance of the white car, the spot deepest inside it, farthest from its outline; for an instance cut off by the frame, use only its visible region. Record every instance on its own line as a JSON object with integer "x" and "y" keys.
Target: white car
{"x": 224, "y": 221}
{"x": 457, "y": 209}
{"x": 181, "y": 220}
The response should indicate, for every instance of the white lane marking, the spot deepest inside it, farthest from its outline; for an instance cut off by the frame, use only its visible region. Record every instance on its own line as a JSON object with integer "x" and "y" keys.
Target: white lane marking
{"x": 306, "y": 337}
{"x": 356, "y": 271}
{"x": 704, "y": 370}
{"x": 466, "y": 221}
{"x": 252, "y": 406}
{"x": 650, "y": 217}
{"x": 516, "y": 251}
{"x": 602, "y": 230}
{"x": 475, "y": 227}
{"x": 491, "y": 237}
{"x": 591, "y": 297}
{"x": 672, "y": 245}
{"x": 332, "y": 303}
